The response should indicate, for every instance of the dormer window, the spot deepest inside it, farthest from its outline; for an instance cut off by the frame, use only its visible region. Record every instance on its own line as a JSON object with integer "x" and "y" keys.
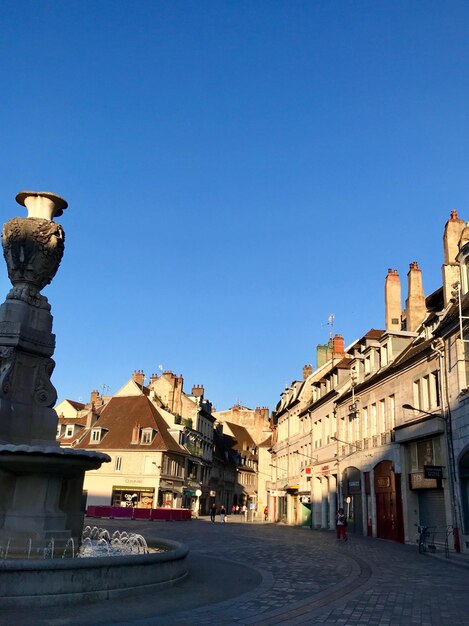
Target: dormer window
{"x": 96, "y": 434}
{"x": 69, "y": 431}
{"x": 147, "y": 436}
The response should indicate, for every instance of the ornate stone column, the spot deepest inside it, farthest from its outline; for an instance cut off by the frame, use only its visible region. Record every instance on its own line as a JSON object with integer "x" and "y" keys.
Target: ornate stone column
{"x": 41, "y": 483}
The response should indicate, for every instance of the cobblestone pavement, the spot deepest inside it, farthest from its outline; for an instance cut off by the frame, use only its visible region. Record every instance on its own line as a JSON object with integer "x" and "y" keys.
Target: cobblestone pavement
{"x": 265, "y": 574}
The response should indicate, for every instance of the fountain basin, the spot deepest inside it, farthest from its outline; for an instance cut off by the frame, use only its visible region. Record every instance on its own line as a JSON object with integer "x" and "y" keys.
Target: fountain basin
{"x": 53, "y": 582}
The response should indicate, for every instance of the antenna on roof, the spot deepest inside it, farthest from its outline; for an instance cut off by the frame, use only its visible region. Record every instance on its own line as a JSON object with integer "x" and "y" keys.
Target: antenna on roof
{"x": 330, "y": 322}
{"x": 104, "y": 387}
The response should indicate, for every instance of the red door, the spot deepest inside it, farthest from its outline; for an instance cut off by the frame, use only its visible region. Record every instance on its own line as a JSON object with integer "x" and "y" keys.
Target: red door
{"x": 388, "y": 517}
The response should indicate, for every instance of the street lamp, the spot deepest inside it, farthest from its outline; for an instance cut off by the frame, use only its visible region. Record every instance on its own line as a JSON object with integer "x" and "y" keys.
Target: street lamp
{"x": 314, "y": 459}
{"x": 345, "y": 442}
{"x": 409, "y": 407}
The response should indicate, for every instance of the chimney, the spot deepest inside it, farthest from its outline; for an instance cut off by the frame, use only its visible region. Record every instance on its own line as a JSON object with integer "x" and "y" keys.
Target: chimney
{"x": 153, "y": 378}
{"x": 393, "y": 300}
{"x": 95, "y": 399}
{"x": 263, "y": 412}
{"x": 415, "y": 303}
{"x": 338, "y": 348}
{"x": 198, "y": 391}
{"x": 307, "y": 371}
{"x": 139, "y": 377}
{"x": 323, "y": 354}
{"x": 91, "y": 418}
{"x": 451, "y": 237}
{"x": 136, "y": 433}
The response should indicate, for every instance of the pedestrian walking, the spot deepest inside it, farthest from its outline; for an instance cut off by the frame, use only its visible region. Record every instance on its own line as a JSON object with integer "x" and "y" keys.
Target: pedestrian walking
{"x": 222, "y": 514}
{"x": 341, "y": 525}
{"x": 244, "y": 510}
{"x": 213, "y": 512}
{"x": 266, "y": 513}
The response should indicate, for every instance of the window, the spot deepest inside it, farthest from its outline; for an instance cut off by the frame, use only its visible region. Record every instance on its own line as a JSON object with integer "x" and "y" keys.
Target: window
{"x": 391, "y": 412}
{"x": 147, "y": 435}
{"x": 365, "y": 425}
{"x": 426, "y": 392}
{"x": 382, "y": 416}
{"x": 374, "y": 420}
{"x": 384, "y": 355}
{"x": 117, "y": 463}
{"x": 95, "y": 435}
{"x": 69, "y": 431}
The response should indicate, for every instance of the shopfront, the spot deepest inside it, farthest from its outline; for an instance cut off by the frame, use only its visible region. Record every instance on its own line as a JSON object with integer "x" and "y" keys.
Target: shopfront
{"x": 133, "y": 496}
{"x": 169, "y": 494}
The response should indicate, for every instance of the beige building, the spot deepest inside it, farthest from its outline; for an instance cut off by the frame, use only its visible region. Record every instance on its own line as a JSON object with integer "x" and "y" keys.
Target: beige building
{"x": 252, "y": 433}
{"x": 381, "y": 428}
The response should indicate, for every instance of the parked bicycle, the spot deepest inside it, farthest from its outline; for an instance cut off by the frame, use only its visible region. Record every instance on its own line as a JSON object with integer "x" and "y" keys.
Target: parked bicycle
{"x": 426, "y": 540}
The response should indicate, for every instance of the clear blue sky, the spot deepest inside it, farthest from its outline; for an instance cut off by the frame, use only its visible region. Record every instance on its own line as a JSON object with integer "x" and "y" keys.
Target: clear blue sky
{"x": 235, "y": 172}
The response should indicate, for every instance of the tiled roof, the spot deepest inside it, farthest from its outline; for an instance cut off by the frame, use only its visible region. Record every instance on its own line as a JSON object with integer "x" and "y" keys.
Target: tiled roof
{"x": 79, "y": 406}
{"x": 241, "y": 435}
{"x": 72, "y": 421}
{"x": 120, "y": 416}
{"x": 373, "y": 333}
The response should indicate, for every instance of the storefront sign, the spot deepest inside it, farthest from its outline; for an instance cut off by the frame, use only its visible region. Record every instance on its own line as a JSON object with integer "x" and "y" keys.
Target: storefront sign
{"x": 433, "y": 471}
{"x": 383, "y": 481}
{"x": 418, "y": 481}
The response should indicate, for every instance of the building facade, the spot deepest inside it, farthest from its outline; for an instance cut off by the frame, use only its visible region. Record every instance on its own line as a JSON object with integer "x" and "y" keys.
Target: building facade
{"x": 382, "y": 426}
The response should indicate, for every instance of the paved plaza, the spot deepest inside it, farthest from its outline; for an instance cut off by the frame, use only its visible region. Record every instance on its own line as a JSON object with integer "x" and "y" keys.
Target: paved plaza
{"x": 265, "y": 574}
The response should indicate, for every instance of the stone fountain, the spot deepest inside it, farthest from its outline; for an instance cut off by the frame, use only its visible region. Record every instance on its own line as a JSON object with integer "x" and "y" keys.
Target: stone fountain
{"x": 41, "y": 484}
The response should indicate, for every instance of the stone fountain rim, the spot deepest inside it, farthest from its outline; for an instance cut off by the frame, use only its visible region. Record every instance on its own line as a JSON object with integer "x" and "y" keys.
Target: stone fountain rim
{"x": 177, "y": 551}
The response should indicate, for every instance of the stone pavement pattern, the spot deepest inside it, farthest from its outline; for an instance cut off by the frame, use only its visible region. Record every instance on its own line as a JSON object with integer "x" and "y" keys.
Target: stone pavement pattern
{"x": 263, "y": 574}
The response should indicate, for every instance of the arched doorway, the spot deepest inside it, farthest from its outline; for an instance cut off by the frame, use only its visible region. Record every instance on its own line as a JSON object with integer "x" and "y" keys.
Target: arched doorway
{"x": 352, "y": 496}
{"x": 389, "y": 523}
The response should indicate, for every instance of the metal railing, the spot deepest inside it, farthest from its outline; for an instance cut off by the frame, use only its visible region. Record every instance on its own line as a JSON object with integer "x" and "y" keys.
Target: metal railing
{"x": 433, "y": 539}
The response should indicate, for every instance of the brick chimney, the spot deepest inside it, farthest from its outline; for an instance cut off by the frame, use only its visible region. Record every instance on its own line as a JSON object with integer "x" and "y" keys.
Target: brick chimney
{"x": 307, "y": 371}
{"x": 338, "y": 348}
{"x": 138, "y": 377}
{"x": 393, "y": 300}
{"x": 415, "y": 303}
{"x": 198, "y": 391}
{"x": 450, "y": 268}
{"x": 153, "y": 378}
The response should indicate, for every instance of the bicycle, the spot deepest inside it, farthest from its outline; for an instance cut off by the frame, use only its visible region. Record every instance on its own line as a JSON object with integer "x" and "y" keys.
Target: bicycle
{"x": 425, "y": 532}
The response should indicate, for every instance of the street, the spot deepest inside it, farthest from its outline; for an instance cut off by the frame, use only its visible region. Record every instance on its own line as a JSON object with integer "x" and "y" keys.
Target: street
{"x": 255, "y": 573}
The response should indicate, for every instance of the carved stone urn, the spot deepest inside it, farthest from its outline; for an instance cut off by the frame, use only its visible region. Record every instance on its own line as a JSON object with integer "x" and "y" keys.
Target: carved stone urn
{"x": 33, "y": 247}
